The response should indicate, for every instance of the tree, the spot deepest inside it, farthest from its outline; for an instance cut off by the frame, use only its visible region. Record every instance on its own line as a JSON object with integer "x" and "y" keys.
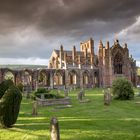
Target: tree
{"x": 122, "y": 89}
{"x": 9, "y": 103}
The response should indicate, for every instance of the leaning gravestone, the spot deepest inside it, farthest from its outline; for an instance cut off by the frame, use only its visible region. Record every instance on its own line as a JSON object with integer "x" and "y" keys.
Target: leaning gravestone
{"x": 54, "y": 127}
{"x": 107, "y": 97}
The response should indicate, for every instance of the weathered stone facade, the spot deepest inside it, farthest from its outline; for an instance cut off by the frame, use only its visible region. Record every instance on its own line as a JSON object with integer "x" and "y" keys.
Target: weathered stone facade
{"x": 71, "y": 69}
{"x": 86, "y": 69}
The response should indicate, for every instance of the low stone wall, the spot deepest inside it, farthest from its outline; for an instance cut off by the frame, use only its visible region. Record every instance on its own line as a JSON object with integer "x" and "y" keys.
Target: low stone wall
{"x": 51, "y": 102}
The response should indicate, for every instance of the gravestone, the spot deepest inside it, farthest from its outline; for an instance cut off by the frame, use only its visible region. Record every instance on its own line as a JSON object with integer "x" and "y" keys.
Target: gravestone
{"x": 66, "y": 93}
{"x": 42, "y": 96}
{"x": 54, "y": 128}
{"x": 80, "y": 95}
{"x": 107, "y": 97}
{"x": 34, "y": 113}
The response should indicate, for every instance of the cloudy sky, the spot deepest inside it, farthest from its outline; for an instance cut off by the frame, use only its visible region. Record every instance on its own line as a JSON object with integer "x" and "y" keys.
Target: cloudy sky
{"x": 31, "y": 29}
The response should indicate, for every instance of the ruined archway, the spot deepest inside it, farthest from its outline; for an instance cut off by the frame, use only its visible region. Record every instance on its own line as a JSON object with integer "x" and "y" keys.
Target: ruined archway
{"x": 27, "y": 80}
{"x": 85, "y": 78}
{"x": 43, "y": 78}
{"x": 72, "y": 77}
{"x": 96, "y": 78}
{"x": 58, "y": 78}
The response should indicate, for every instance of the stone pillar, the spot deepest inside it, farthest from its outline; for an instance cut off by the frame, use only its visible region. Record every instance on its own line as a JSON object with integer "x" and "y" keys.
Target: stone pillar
{"x": 74, "y": 55}
{"x": 81, "y": 79}
{"x": 65, "y": 59}
{"x": 61, "y": 55}
{"x": 51, "y": 80}
{"x": 79, "y": 61}
{"x": 67, "y": 80}
{"x": 54, "y": 127}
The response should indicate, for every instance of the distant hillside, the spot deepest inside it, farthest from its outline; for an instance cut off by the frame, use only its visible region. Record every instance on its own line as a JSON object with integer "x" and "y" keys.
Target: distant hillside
{"x": 23, "y": 66}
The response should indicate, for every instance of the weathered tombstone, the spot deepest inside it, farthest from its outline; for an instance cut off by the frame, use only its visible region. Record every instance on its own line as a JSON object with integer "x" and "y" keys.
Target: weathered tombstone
{"x": 80, "y": 96}
{"x": 107, "y": 97}
{"x": 54, "y": 128}
{"x": 83, "y": 91}
{"x": 42, "y": 96}
{"x": 34, "y": 113}
{"x": 66, "y": 92}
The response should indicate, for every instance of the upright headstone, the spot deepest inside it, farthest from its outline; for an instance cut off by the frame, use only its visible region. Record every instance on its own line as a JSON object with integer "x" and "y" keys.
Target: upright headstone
{"x": 42, "y": 96}
{"x": 66, "y": 93}
{"x": 107, "y": 97}
{"x": 80, "y": 96}
{"x": 54, "y": 128}
{"x": 34, "y": 113}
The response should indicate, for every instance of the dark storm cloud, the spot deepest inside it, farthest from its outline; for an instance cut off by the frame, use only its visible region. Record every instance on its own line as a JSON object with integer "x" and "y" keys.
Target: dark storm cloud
{"x": 61, "y": 16}
{"x": 32, "y": 28}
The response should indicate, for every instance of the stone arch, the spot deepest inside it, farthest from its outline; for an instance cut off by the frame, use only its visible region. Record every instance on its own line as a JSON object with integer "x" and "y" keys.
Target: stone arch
{"x": 118, "y": 63}
{"x": 26, "y": 77}
{"x": 43, "y": 78}
{"x": 73, "y": 77}
{"x": 58, "y": 78}
{"x": 96, "y": 78}
{"x": 85, "y": 77}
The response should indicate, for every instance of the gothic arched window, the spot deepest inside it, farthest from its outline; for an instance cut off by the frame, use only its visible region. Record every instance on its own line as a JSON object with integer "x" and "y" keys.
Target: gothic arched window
{"x": 118, "y": 63}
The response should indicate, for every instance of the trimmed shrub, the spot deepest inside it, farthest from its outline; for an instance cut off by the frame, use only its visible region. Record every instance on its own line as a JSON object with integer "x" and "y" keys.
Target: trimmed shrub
{"x": 122, "y": 89}
{"x": 10, "y": 105}
{"x": 4, "y": 86}
{"x": 47, "y": 94}
{"x": 42, "y": 90}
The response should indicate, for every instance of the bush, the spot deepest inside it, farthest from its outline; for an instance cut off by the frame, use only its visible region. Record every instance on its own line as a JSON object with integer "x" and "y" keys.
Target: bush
{"x": 9, "y": 104}
{"x": 122, "y": 89}
{"x": 47, "y": 94}
{"x": 4, "y": 86}
{"x": 42, "y": 90}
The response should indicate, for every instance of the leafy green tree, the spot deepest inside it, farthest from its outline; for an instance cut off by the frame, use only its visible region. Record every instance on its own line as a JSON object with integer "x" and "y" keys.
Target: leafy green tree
{"x": 122, "y": 89}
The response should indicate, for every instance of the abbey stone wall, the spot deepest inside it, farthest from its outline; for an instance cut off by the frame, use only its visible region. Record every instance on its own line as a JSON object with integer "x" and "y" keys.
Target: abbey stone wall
{"x": 83, "y": 68}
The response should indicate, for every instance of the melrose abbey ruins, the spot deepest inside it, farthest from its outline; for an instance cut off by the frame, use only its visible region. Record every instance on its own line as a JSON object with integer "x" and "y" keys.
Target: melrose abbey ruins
{"x": 82, "y": 68}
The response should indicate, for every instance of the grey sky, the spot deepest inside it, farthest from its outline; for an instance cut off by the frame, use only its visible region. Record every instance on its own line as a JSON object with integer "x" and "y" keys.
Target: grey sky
{"x": 31, "y": 29}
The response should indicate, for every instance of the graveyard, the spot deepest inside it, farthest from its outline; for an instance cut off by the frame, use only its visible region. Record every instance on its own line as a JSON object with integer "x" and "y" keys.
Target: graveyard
{"x": 91, "y": 120}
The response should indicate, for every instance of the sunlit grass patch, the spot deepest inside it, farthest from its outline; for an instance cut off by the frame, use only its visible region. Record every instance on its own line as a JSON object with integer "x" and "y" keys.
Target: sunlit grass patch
{"x": 83, "y": 121}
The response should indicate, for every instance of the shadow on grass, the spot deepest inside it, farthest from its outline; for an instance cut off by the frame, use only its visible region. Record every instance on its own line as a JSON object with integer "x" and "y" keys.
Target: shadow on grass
{"x": 40, "y": 136}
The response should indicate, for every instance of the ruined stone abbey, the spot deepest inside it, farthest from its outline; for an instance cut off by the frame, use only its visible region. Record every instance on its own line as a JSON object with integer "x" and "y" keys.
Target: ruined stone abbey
{"x": 84, "y": 68}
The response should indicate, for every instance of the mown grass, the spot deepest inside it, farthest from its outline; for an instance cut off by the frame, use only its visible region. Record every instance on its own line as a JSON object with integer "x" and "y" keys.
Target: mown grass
{"x": 83, "y": 121}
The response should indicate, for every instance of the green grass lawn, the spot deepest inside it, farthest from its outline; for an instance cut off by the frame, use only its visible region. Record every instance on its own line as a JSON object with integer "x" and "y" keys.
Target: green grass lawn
{"x": 83, "y": 121}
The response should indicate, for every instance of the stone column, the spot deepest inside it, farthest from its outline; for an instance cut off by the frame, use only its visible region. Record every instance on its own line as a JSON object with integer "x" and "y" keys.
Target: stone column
{"x": 51, "y": 80}
{"x": 81, "y": 79}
